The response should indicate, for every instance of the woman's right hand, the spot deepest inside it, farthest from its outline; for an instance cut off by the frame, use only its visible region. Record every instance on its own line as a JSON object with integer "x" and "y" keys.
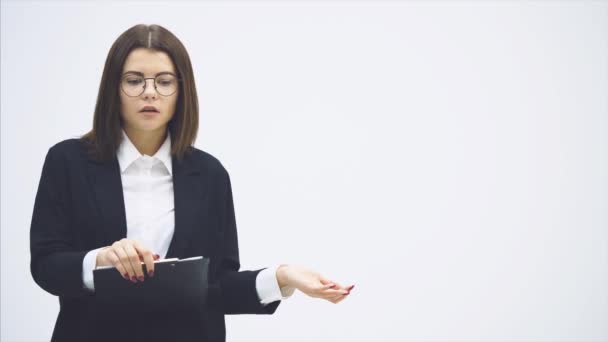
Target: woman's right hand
{"x": 312, "y": 283}
{"x": 126, "y": 255}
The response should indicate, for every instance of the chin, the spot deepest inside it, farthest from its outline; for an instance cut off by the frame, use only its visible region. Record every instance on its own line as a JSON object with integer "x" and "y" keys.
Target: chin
{"x": 148, "y": 125}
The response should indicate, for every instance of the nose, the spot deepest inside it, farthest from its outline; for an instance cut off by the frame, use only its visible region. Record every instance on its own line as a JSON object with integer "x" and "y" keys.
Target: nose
{"x": 149, "y": 90}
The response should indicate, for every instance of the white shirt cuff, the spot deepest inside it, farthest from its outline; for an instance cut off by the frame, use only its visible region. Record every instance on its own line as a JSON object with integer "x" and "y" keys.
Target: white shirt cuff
{"x": 88, "y": 265}
{"x": 267, "y": 286}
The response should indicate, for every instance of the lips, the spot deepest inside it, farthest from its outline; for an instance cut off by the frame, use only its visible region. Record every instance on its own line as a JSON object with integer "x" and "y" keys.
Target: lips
{"x": 149, "y": 109}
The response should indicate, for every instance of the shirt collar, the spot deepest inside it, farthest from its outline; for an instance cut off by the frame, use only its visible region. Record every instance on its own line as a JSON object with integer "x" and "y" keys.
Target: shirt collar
{"x": 128, "y": 153}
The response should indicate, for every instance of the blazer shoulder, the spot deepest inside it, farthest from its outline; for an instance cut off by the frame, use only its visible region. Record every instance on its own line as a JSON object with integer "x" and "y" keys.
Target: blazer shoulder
{"x": 208, "y": 161}
{"x": 69, "y": 148}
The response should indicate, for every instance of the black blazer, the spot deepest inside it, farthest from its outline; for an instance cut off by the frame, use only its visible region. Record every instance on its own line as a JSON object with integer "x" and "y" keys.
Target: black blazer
{"x": 79, "y": 206}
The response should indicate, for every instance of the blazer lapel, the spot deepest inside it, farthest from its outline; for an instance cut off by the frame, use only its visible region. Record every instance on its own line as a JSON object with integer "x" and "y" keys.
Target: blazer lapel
{"x": 187, "y": 196}
{"x": 188, "y": 190}
{"x": 107, "y": 188}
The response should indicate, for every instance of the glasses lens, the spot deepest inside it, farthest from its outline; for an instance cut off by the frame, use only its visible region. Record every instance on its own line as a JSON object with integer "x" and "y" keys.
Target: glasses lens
{"x": 133, "y": 85}
{"x": 166, "y": 84}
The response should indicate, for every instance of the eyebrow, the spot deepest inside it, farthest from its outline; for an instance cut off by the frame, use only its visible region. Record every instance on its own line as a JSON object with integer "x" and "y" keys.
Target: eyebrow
{"x": 141, "y": 73}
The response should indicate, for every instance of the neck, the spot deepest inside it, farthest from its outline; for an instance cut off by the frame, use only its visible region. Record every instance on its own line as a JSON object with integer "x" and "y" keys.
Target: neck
{"x": 146, "y": 142}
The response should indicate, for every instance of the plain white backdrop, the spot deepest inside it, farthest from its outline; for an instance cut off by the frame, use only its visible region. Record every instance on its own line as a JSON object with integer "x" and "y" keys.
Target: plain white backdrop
{"x": 448, "y": 158}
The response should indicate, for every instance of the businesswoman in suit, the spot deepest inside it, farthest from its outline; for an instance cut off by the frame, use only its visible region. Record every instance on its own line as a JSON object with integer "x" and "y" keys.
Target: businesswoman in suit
{"x": 134, "y": 189}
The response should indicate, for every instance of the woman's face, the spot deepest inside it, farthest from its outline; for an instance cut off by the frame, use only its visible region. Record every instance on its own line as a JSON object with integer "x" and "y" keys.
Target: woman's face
{"x": 143, "y": 62}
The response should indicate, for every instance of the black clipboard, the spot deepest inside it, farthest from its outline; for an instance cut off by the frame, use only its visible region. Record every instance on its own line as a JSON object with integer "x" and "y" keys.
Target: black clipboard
{"x": 177, "y": 285}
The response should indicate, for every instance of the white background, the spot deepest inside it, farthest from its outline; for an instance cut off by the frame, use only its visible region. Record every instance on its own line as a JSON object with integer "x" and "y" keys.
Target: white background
{"x": 450, "y": 159}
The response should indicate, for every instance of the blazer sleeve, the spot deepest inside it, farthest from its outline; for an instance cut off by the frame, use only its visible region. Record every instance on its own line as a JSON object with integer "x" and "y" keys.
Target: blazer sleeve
{"x": 236, "y": 290}
{"x": 56, "y": 265}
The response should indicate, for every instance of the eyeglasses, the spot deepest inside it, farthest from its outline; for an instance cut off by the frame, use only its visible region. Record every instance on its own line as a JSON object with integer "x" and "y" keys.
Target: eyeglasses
{"x": 134, "y": 85}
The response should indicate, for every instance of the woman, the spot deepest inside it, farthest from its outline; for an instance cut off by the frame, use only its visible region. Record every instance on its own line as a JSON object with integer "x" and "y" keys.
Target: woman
{"x": 135, "y": 190}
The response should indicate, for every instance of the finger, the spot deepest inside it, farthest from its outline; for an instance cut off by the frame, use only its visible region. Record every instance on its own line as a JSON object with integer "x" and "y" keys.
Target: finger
{"x": 124, "y": 260}
{"x": 337, "y": 286}
{"x": 328, "y": 293}
{"x": 134, "y": 260}
{"x": 340, "y": 299}
{"x": 149, "y": 262}
{"x": 115, "y": 260}
{"x": 335, "y": 299}
{"x": 325, "y": 281}
{"x": 147, "y": 256}
{"x": 329, "y": 286}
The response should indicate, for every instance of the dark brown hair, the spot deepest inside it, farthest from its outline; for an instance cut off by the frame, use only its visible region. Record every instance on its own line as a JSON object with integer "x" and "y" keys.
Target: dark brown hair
{"x": 105, "y": 137}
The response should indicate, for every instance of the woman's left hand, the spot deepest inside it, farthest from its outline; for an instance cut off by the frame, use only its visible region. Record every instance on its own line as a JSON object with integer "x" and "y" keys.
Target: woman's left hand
{"x": 312, "y": 283}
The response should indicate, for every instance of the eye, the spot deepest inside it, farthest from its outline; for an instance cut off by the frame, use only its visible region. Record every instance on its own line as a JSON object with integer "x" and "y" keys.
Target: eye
{"x": 166, "y": 81}
{"x": 134, "y": 81}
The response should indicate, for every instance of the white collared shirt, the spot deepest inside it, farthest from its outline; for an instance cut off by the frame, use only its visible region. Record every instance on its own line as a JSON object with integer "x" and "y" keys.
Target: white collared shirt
{"x": 147, "y": 183}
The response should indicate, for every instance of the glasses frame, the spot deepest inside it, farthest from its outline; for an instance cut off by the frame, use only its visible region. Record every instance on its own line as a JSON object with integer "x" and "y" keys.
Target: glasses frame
{"x": 178, "y": 79}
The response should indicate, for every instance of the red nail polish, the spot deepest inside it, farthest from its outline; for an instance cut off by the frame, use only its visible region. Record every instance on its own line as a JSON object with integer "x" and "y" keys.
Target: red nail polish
{"x": 133, "y": 279}
{"x": 151, "y": 274}
{"x": 141, "y": 278}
